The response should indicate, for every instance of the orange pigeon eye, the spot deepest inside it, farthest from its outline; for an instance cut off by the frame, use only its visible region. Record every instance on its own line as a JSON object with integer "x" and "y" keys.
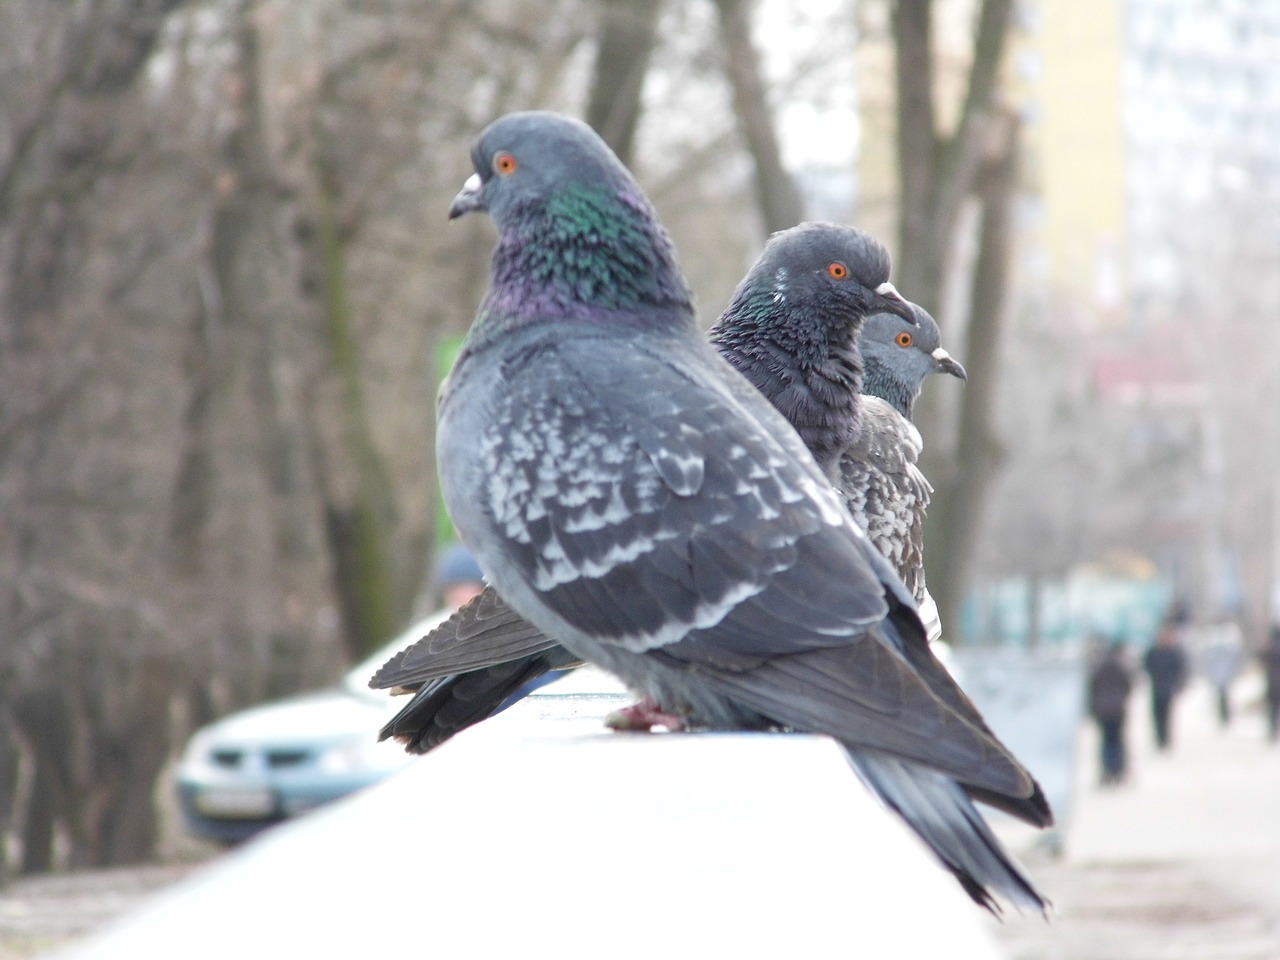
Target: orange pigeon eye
{"x": 837, "y": 270}
{"x": 904, "y": 339}
{"x": 504, "y": 163}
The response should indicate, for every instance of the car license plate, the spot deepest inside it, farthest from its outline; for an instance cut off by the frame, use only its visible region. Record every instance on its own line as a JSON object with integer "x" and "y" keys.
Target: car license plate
{"x": 243, "y": 802}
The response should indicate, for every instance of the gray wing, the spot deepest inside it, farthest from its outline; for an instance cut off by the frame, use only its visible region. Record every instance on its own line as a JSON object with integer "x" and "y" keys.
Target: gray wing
{"x": 671, "y": 512}
{"x": 929, "y": 615}
{"x": 484, "y": 632}
{"x": 639, "y": 509}
{"x": 444, "y": 706}
{"x": 885, "y": 491}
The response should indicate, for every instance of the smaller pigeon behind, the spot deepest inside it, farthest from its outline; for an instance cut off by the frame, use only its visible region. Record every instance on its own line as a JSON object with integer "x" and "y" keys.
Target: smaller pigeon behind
{"x": 878, "y": 473}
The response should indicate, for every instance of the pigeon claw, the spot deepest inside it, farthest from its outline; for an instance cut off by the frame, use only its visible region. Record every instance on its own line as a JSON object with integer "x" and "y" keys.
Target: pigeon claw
{"x": 642, "y": 717}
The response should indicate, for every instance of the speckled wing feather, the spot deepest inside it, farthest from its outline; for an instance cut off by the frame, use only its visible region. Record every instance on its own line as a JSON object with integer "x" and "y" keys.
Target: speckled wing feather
{"x": 885, "y": 491}
{"x": 640, "y": 513}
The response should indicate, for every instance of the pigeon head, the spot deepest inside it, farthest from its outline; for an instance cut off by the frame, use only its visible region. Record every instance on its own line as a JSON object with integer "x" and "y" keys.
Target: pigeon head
{"x": 811, "y": 290}
{"x": 576, "y": 234}
{"x": 792, "y": 324}
{"x": 528, "y": 159}
{"x": 829, "y": 268}
{"x": 897, "y": 356}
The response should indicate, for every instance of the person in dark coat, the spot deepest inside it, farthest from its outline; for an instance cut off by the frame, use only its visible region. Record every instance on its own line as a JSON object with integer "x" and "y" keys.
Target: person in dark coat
{"x": 1270, "y": 658}
{"x": 1166, "y": 665}
{"x": 1110, "y": 682}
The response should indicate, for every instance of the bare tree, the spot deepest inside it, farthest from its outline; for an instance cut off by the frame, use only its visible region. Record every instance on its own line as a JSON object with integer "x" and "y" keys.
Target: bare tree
{"x": 956, "y": 514}
{"x": 938, "y": 173}
{"x": 625, "y": 38}
{"x": 218, "y": 308}
{"x": 86, "y": 664}
{"x": 776, "y": 194}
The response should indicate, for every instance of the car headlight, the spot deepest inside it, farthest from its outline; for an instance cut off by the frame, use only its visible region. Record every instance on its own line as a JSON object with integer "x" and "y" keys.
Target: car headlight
{"x": 195, "y": 758}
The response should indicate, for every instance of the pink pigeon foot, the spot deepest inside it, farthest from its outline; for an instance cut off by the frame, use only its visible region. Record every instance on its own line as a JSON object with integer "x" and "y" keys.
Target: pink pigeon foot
{"x": 643, "y": 717}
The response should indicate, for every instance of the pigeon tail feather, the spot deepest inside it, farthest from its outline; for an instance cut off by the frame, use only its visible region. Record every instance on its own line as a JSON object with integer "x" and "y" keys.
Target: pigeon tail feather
{"x": 449, "y": 705}
{"x": 936, "y": 808}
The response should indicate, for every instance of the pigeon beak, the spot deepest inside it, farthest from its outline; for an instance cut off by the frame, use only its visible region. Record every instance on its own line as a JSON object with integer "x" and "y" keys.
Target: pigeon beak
{"x": 468, "y": 198}
{"x": 943, "y": 362}
{"x": 892, "y": 302}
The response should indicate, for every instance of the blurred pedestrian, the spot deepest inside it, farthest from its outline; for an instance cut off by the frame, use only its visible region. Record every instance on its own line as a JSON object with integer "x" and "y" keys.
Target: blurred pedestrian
{"x": 1221, "y": 663}
{"x": 457, "y": 576}
{"x": 1110, "y": 682}
{"x": 1270, "y": 658}
{"x": 1166, "y": 666}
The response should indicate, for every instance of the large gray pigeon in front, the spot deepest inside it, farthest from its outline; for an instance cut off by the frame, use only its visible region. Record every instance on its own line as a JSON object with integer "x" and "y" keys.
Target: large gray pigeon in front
{"x": 632, "y": 495}
{"x": 868, "y": 443}
{"x": 876, "y": 474}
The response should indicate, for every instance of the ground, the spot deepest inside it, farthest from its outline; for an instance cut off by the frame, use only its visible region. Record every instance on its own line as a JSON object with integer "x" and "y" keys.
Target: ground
{"x": 1181, "y": 862}
{"x": 38, "y": 914}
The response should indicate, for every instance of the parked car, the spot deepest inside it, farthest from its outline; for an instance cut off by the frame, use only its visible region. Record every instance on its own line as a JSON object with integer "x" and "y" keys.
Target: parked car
{"x": 266, "y": 764}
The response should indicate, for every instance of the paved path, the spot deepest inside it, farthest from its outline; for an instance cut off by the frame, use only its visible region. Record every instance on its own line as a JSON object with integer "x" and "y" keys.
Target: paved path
{"x": 1181, "y": 862}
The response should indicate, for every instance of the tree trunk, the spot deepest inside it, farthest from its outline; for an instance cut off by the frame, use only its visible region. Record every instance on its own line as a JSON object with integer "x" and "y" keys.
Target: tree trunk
{"x": 360, "y": 511}
{"x": 955, "y": 515}
{"x": 9, "y": 761}
{"x": 258, "y": 347}
{"x": 936, "y": 172}
{"x": 776, "y": 194}
{"x": 917, "y": 271}
{"x": 125, "y": 822}
{"x": 37, "y": 825}
{"x": 41, "y": 715}
{"x": 628, "y": 29}
{"x": 936, "y": 175}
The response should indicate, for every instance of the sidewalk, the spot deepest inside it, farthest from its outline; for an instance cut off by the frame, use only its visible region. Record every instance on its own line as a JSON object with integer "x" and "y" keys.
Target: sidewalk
{"x": 1181, "y": 862}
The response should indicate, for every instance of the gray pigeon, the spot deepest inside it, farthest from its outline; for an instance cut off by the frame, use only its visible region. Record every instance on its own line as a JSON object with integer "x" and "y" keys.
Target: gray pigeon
{"x": 897, "y": 357}
{"x": 883, "y": 487}
{"x": 882, "y": 454}
{"x": 632, "y": 495}
{"x": 852, "y": 409}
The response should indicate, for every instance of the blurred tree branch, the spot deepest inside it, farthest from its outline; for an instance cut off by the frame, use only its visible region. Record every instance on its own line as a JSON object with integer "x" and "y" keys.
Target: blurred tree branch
{"x": 776, "y": 194}
{"x": 937, "y": 172}
{"x": 625, "y": 39}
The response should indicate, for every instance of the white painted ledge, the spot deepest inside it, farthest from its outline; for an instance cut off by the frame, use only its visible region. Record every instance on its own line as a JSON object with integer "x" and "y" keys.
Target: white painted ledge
{"x": 541, "y": 835}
